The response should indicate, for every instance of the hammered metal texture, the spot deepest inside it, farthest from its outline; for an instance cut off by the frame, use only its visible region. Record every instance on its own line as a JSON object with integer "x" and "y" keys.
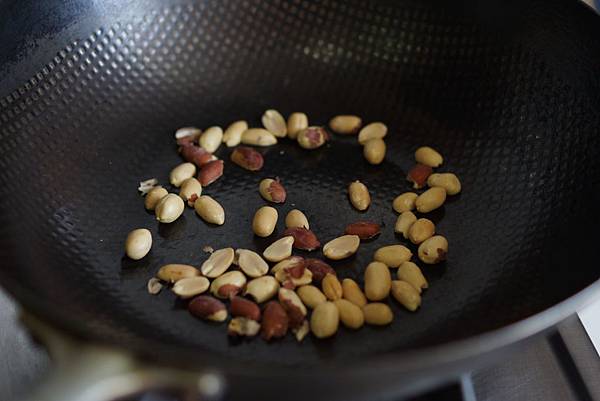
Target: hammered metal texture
{"x": 78, "y": 137}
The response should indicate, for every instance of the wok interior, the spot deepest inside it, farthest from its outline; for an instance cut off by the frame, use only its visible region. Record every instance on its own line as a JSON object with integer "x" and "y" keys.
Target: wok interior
{"x": 522, "y": 141}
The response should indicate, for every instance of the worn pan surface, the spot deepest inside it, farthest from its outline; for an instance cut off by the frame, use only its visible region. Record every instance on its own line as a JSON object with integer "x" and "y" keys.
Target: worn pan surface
{"x": 512, "y": 103}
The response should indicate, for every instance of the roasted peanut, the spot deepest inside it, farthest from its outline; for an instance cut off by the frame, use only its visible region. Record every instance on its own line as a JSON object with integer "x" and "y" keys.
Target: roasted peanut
{"x": 434, "y": 250}
{"x": 228, "y": 284}
{"x": 243, "y": 327}
{"x": 341, "y": 247}
{"x": 154, "y": 196}
{"x": 405, "y": 202}
{"x": 292, "y": 272}
{"x": 174, "y": 272}
{"x": 410, "y": 272}
{"x": 272, "y": 190}
{"x": 251, "y": 263}
{"x": 312, "y": 137}
{"x": 211, "y": 139}
{"x": 406, "y": 294}
{"x": 430, "y": 199}
{"x": 262, "y": 289}
{"x": 195, "y": 154}
{"x": 418, "y": 175}
{"x": 303, "y": 330}
{"x": 191, "y": 286}
{"x": 218, "y": 263}
{"x": 181, "y": 173}
{"x": 241, "y": 307}
{"x": 374, "y": 151}
{"x": 295, "y": 218}
{"x": 274, "y": 122}
{"x": 345, "y": 124}
{"x": 392, "y": 255}
{"x": 233, "y": 134}
{"x": 332, "y": 288}
{"x": 209, "y": 210}
{"x": 352, "y": 292}
{"x": 293, "y": 306}
{"x": 319, "y": 269}
{"x": 258, "y": 137}
{"x": 274, "y": 322}
{"x": 190, "y": 190}
{"x": 403, "y": 223}
{"x": 264, "y": 221}
{"x": 303, "y": 238}
{"x": 186, "y": 135}
{"x": 378, "y": 281}
{"x": 359, "y": 195}
{"x": 169, "y": 208}
{"x": 325, "y": 320}
{"x": 247, "y": 158}
{"x": 279, "y": 250}
{"x": 448, "y": 181}
{"x": 351, "y": 315}
{"x": 428, "y": 156}
{"x": 311, "y": 296}
{"x": 138, "y": 243}
{"x": 208, "y": 308}
{"x": 420, "y": 230}
{"x": 364, "y": 229}
{"x": 378, "y": 314}
{"x": 296, "y": 123}
{"x": 372, "y": 131}
{"x": 210, "y": 172}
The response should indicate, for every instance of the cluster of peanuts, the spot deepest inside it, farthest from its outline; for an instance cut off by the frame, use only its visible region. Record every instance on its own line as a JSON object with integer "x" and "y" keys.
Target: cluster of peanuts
{"x": 294, "y": 285}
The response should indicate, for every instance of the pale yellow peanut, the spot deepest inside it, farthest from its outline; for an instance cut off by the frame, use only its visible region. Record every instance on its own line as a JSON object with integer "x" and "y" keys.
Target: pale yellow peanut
{"x": 325, "y": 320}
{"x": 345, "y": 124}
{"x": 274, "y": 122}
{"x": 191, "y": 286}
{"x": 430, "y": 199}
{"x": 351, "y": 315}
{"x": 218, "y": 262}
{"x": 235, "y": 279}
{"x": 181, "y": 173}
{"x": 251, "y": 263}
{"x": 233, "y": 134}
{"x": 296, "y": 123}
{"x": 332, "y": 288}
{"x": 403, "y": 223}
{"x": 374, "y": 150}
{"x": 428, "y": 156}
{"x": 392, "y": 255}
{"x": 169, "y": 208}
{"x": 262, "y": 289}
{"x": 352, "y": 292}
{"x": 258, "y": 137}
{"x": 341, "y": 247}
{"x": 154, "y": 196}
{"x": 410, "y": 272}
{"x": 189, "y": 188}
{"x": 174, "y": 272}
{"x": 265, "y": 220}
{"x": 433, "y": 250}
{"x": 295, "y": 218}
{"x": 375, "y": 130}
{"x": 378, "y": 281}
{"x": 138, "y": 243}
{"x": 359, "y": 195}
{"x": 211, "y": 139}
{"x": 279, "y": 250}
{"x": 311, "y": 296}
{"x": 378, "y": 314}
{"x": 448, "y": 181}
{"x": 406, "y": 294}
{"x": 421, "y": 230}
{"x": 405, "y": 202}
{"x": 210, "y": 210}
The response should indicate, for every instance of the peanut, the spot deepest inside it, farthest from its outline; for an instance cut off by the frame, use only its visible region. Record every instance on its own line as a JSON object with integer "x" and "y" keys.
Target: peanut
{"x": 345, "y": 124}
{"x": 418, "y": 175}
{"x": 251, "y": 263}
{"x": 311, "y": 296}
{"x": 262, "y": 289}
{"x": 258, "y": 137}
{"x": 208, "y": 308}
{"x": 430, "y": 199}
{"x": 378, "y": 281}
{"x": 174, "y": 272}
{"x": 428, "y": 156}
{"x": 403, "y": 223}
{"x": 295, "y": 218}
{"x": 243, "y": 327}
{"x": 272, "y": 190}
{"x": 241, "y": 307}
{"x": 319, "y": 269}
{"x": 352, "y": 292}
{"x": 138, "y": 243}
{"x": 312, "y": 137}
{"x": 190, "y": 286}
{"x": 218, "y": 263}
{"x": 374, "y": 151}
{"x": 341, "y": 247}
{"x": 448, "y": 181}
{"x": 325, "y": 320}
{"x": 406, "y": 294}
{"x": 392, "y": 255}
{"x": 434, "y": 250}
{"x": 188, "y": 134}
{"x": 372, "y": 131}
{"x": 279, "y": 250}
{"x": 410, "y": 272}
{"x": 359, "y": 195}
{"x": 378, "y": 314}
{"x": 154, "y": 196}
{"x": 274, "y": 122}
{"x": 181, "y": 173}
{"x": 210, "y": 172}
{"x": 332, "y": 288}
{"x": 247, "y": 158}
{"x": 405, "y": 202}
{"x": 209, "y": 210}
{"x": 302, "y": 331}
{"x": 195, "y": 154}
{"x": 211, "y": 139}
{"x": 293, "y": 305}
{"x": 228, "y": 285}
{"x": 303, "y": 238}
{"x": 233, "y": 134}
{"x": 275, "y": 321}
{"x": 351, "y": 315}
{"x": 264, "y": 221}
{"x": 169, "y": 208}
{"x": 190, "y": 190}
{"x": 296, "y": 123}
{"x": 420, "y": 230}
{"x": 364, "y": 229}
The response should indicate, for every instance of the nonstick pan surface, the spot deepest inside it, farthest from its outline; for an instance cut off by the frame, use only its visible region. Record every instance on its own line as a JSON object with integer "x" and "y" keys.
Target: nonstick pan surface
{"x": 520, "y": 132}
